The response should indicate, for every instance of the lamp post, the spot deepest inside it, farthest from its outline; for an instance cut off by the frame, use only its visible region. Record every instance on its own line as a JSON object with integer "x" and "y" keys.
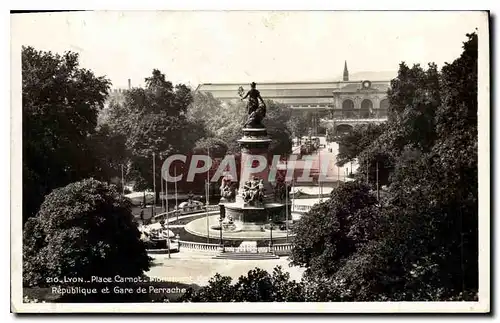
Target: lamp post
{"x": 286, "y": 209}
{"x": 162, "y": 223}
{"x": 162, "y": 195}
{"x": 319, "y": 177}
{"x": 175, "y": 188}
{"x": 207, "y": 202}
{"x": 206, "y": 208}
{"x": 154, "y": 186}
{"x": 271, "y": 234}
{"x": 220, "y": 228}
{"x": 168, "y": 221}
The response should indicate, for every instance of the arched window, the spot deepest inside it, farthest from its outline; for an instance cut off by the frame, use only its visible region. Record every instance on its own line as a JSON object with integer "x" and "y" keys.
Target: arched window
{"x": 348, "y": 108}
{"x": 366, "y": 108}
{"x": 384, "y": 108}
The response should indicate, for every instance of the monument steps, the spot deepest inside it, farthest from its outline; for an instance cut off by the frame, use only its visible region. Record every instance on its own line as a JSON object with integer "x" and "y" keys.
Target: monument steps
{"x": 246, "y": 256}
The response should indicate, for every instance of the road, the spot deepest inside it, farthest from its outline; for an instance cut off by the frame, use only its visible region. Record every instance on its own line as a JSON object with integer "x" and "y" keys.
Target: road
{"x": 325, "y": 157}
{"x": 197, "y": 268}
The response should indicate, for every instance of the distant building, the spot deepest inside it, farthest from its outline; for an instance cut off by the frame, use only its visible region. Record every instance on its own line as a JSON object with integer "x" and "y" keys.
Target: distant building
{"x": 358, "y": 99}
{"x": 118, "y": 94}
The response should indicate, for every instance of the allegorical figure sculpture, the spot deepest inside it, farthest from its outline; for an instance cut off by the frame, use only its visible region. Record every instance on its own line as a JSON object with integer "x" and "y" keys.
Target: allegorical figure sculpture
{"x": 253, "y": 191}
{"x": 256, "y": 111}
{"x": 227, "y": 190}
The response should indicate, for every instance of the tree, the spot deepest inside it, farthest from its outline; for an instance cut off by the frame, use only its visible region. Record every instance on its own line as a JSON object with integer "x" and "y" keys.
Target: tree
{"x": 333, "y": 230}
{"x": 426, "y": 242}
{"x": 351, "y": 144}
{"x": 154, "y": 121}
{"x": 414, "y": 97}
{"x": 225, "y": 120}
{"x": 60, "y": 103}
{"x": 110, "y": 153}
{"x": 257, "y": 286}
{"x": 206, "y": 108}
{"x": 435, "y": 187}
{"x": 299, "y": 125}
{"x": 82, "y": 230}
{"x": 216, "y": 147}
{"x": 277, "y": 118}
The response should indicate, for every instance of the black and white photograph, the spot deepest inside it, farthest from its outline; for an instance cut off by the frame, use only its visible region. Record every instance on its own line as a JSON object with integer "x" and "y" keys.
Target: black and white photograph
{"x": 204, "y": 161}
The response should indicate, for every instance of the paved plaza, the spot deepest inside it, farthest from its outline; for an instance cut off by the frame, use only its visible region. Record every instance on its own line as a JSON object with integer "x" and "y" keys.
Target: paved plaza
{"x": 197, "y": 268}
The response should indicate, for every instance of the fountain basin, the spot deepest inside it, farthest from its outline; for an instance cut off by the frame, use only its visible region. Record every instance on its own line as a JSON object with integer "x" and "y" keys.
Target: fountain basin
{"x": 198, "y": 227}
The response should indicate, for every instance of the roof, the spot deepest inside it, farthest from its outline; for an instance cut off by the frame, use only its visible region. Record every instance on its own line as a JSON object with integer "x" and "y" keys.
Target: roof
{"x": 351, "y": 87}
{"x": 373, "y": 75}
{"x": 300, "y": 93}
{"x": 354, "y": 87}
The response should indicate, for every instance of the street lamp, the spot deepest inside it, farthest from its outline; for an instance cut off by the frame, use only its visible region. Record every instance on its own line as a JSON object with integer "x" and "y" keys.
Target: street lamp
{"x": 220, "y": 228}
{"x": 271, "y": 234}
{"x": 162, "y": 224}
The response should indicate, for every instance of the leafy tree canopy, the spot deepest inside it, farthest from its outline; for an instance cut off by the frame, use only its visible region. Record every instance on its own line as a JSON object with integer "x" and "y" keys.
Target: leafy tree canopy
{"x": 333, "y": 230}
{"x": 353, "y": 143}
{"x": 216, "y": 147}
{"x": 60, "y": 103}
{"x": 154, "y": 121}
{"x": 83, "y": 229}
{"x": 423, "y": 243}
{"x": 257, "y": 286}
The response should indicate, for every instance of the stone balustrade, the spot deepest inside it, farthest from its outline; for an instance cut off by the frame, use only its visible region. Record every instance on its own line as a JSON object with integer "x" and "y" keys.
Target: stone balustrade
{"x": 279, "y": 249}
{"x": 301, "y": 208}
{"x": 231, "y": 249}
{"x": 198, "y": 246}
{"x": 282, "y": 249}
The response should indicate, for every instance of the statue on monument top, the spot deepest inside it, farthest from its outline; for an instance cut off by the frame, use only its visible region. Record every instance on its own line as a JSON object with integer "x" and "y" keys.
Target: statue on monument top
{"x": 256, "y": 111}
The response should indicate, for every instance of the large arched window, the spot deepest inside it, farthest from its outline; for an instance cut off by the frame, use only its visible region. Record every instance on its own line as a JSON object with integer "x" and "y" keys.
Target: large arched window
{"x": 366, "y": 108}
{"x": 348, "y": 108}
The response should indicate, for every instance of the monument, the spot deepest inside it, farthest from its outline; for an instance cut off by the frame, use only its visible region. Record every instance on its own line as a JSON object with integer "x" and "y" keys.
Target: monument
{"x": 253, "y": 204}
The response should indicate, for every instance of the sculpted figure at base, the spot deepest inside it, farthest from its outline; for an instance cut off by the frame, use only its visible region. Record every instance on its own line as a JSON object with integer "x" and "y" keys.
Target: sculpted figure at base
{"x": 227, "y": 190}
{"x": 256, "y": 111}
{"x": 253, "y": 191}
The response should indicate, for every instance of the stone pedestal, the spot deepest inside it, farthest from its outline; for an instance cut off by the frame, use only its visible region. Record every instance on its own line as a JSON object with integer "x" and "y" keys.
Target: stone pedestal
{"x": 254, "y": 145}
{"x": 253, "y": 216}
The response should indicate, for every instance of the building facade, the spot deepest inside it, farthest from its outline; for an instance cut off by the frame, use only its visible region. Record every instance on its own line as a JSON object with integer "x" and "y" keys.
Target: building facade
{"x": 361, "y": 99}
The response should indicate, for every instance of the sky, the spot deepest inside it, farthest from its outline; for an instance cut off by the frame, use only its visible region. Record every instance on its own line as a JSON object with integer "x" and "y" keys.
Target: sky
{"x": 194, "y": 47}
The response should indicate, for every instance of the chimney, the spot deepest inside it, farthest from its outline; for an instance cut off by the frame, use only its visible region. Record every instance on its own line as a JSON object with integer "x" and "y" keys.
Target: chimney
{"x": 129, "y": 86}
{"x": 346, "y": 72}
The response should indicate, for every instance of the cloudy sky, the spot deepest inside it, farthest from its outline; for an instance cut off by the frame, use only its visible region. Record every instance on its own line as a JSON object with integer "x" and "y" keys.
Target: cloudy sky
{"x": 209, "y": 47}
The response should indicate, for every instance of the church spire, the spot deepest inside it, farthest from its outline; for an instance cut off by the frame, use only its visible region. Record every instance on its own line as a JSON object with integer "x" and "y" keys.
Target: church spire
{"x": 346, "y": 72}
